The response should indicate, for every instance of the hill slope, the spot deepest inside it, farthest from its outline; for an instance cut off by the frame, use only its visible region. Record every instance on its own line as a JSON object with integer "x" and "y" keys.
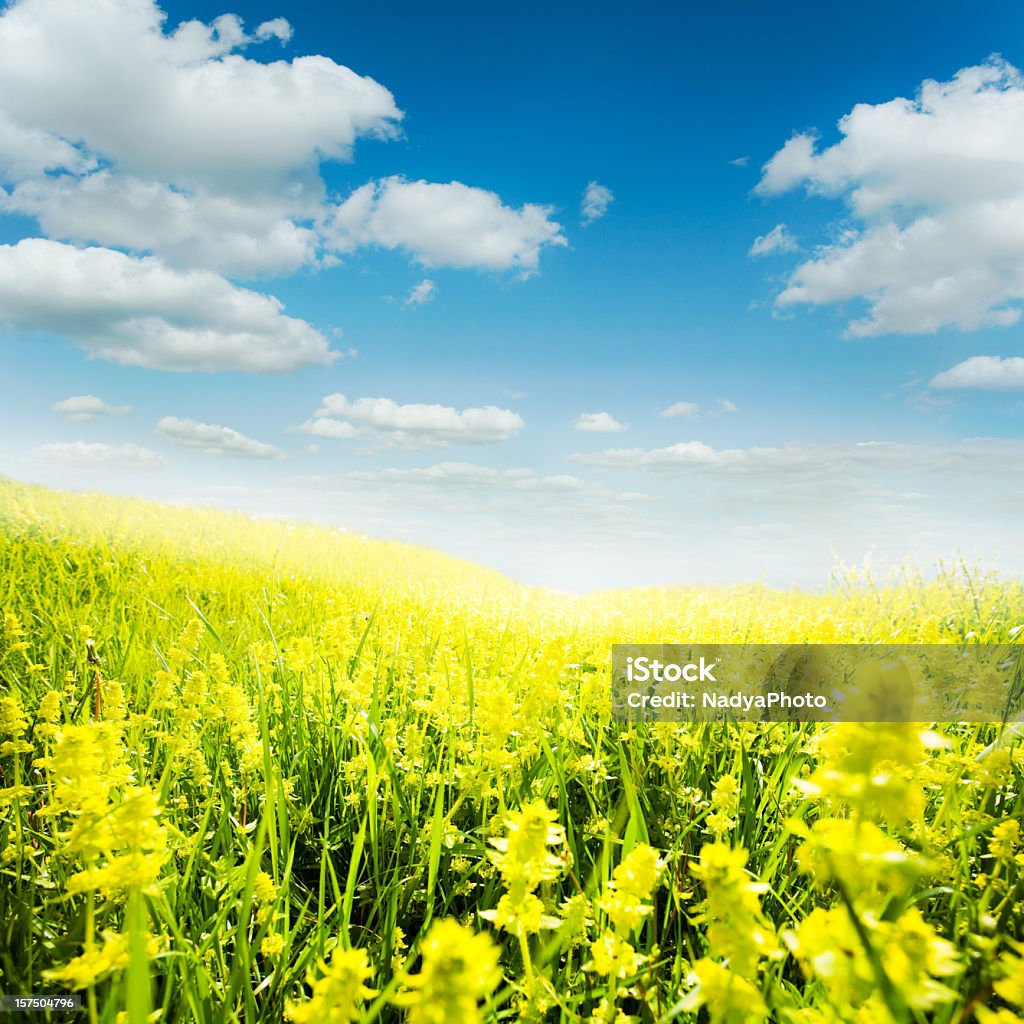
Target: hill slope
{"x": 250, "y": 768}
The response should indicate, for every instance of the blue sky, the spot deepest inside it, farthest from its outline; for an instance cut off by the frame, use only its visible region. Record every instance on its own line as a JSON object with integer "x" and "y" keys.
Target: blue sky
{"x": 200, "y": 245}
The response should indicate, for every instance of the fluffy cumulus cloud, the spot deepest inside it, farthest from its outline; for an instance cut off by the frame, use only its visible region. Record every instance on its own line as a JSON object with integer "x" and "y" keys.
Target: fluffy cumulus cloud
{"x": 117, "y": 129}
{"x": 983, "y": 373}
{"x": 109, "y": 81}
{"x": 244, "y": 235}
{"x": 214, "y": 439}
{"x": 596, "y": 200}
{"x": 779, "y": 240}
{"x": 416, "y": 425}
{"x": 139, "y": 312}
{"x": 85, "y": 454}
{"x": 83, "y": 408}
{"x": 598, "y": 423}
{"x": 452, "y": 225}
{"x": 935, "y": 194}
{"x": 327, "y": 426}
{"x": 197, "y": 144}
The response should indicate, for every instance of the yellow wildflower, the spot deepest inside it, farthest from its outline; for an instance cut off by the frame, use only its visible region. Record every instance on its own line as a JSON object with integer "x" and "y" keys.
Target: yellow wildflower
{"x": 459, "y": 969}
{"x": 729, "y": 998}
{"x": 339, "y": 992}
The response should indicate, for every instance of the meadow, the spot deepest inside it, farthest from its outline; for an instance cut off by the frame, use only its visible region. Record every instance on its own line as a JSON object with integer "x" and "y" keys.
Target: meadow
{"x": 253, "y": 770}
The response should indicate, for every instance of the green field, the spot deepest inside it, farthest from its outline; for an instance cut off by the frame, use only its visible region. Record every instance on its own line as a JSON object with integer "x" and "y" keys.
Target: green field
{"x": 253, "y": 771}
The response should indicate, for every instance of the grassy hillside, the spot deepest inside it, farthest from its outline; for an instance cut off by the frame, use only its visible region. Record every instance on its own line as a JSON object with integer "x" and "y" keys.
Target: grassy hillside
{"x": 252, "y": 770}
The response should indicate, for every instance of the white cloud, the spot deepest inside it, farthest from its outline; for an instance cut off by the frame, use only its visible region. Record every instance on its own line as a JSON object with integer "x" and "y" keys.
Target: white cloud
{"x": 983, "y": 373}
{"x": 789, "y": 166}
{"x": 598, "y": 423}
{"x": 139, "y": 312}
{"x": 120, "y": 130}
{"x": 691, "y": 410}
{"x": 242, "y": 235}
{"x": 596, "y": 200}
{"x": 88, "y": 407}
{"x": 465, "y": 474}
{"x": 937, "y": 197}
{"x": 779, "y": 239}
{"x": 686, "y": 454}
{"x": 173, "y": 143}
{"x": 421, "y": 293}
{"x": 325, "y": 426}
{"x": 25, "y": 152}
{"x": 810, "y": 463}
{"x": 681, "y": 411}
{"x": 444, "y": 225}
{"x": 86, "y": 454}
{"x": 214, "y": 439}
{"x": 106, "y": 79}
{"x": 276, "y": 28}
{"x": 418, "y": 425}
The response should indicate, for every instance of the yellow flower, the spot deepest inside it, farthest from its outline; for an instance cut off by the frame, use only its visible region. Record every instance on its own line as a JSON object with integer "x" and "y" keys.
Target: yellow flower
{"x": 338, "y": 993}
{"x": 48, "y": 713}
{"x": 860, "y": 855}
{"x": 737, "y": 930}
{"x": 11, "y": 794}
{"x": 300, "y": 654}
{"x": 606, "y": 1012}
{"x": 625, "y": 910}
{"x": 94, "y": 964}
{"x": 614, "y": 957}
{"x": 638, "y": 873}
{"x": 130, "y": 826}
{"x": 576, "y": 916}
{"x": 729, "y": 998}
{"x": 915, "y": 955}
{"x": 49, "y": 706}
{"x": 523, "y": 853}
{"x": 1003, "y": 1016}
{"x": 1005, "y": 837}
{"x": 871, "y": 768}
{"x": 13, "y": 722}
{"x": 524, "y": 861}
{"x": 264, "y": 894}
{"x": 1011, "y": 986}
{"x": 725, "y": 801}
{"x": 829, "y": 947}
{"x": 523, "y": 916}
{"x": 632, "y": 883}
{"x": 88, "y": 763}
{"x": 459, "y": 969}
